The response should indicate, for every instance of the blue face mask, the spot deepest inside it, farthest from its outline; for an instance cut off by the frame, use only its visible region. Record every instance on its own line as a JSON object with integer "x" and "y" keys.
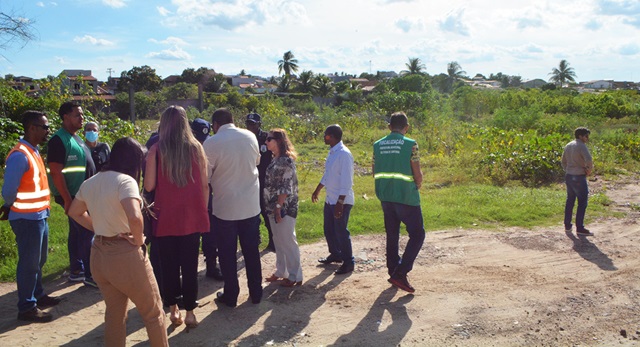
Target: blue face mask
{"x": 91, "y": 136}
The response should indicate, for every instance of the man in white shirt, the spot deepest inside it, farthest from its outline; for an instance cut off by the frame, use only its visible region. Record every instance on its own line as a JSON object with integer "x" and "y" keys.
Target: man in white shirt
{"x": 338, "y": 181}
{"x": 233, "y": 155}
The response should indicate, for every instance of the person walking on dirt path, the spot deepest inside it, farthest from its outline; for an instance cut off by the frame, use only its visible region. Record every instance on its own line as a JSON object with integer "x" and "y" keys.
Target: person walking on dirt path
{"x": 577, "y": 164}
{"x": 338, "y": 180}
{"x": 398, "y": 177}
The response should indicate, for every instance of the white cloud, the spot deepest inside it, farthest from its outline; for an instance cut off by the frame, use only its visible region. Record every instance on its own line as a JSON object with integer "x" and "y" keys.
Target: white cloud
{"x": 40, "y": 4}
{"x": 93, "y": 41}
{"x": 529, "y": 22}
{"x": 173, "y": 41}
{"x": 593, "y": 24}
{"x": 629, "y": 49}
{"x": 163, "y": 11}
{"x": 60, "y": 60}
{"x": 453, "y": 23}
{"x": 175, "y": 53}
{"x": 236, "y": 14}
{"x": 115, "y": 3}
{"x": 629, "y": 10}
{"x": 409, "y": 24}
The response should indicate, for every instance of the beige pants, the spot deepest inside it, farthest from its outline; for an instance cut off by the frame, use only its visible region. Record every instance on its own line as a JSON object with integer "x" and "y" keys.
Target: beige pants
{"x": 287, "y": 250}
{"x": 122, "y": 272}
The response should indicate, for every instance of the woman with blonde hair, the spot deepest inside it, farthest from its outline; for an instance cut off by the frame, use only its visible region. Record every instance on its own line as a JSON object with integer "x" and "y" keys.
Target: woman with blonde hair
{"x": 176, "y": 169}
{"x": 281, "y": 202}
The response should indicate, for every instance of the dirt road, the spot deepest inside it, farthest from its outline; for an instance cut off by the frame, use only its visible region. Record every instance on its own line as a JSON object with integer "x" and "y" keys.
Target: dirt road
{"x": 516, "y": 287}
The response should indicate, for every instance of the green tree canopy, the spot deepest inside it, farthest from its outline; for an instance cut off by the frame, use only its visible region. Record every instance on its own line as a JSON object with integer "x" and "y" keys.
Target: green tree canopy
{"x": 288, "y": 63}
{"x": 563, "y": 73}
{"x": 142, "y": 78}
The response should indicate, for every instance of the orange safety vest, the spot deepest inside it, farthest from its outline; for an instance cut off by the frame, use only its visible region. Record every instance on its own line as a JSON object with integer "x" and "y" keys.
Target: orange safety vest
{"x": 33, "y": 191}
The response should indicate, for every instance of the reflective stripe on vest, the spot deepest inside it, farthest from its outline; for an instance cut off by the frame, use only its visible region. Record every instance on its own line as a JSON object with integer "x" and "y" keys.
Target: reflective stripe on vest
{"x": 33, "y": 192}
{"x": 393, "y": 175}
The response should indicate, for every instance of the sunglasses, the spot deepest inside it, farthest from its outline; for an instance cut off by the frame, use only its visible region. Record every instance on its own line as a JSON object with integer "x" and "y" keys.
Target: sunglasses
{"x": 270, "y": 138}
{"x": 43, "y": 126}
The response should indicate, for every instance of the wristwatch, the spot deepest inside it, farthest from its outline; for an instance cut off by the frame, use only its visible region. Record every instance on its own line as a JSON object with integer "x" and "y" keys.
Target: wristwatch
{"x": 278, "y": 205}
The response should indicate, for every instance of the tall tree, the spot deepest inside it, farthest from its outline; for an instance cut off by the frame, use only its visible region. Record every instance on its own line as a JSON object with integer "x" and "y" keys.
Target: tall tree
{"x": 190, "y": 75}
{"x": 142, "y": 78}
{"x": 414, "y": 67}
{"x": 288, "y": 63}
{"x": 325, "y": 86}
{"x": 454, "y": 73}
{"x": 563, "y": 73}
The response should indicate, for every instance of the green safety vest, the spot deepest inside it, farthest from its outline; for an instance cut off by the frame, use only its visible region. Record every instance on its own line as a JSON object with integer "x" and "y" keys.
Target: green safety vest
{"x": 392, "y": 167}
{"x": 75, "y": 164}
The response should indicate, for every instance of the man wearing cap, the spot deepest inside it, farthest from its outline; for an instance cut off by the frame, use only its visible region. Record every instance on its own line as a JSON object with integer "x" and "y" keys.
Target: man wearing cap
{"x": 338, "y": 181}
{"x": 233, "y": 155}
{"x": 397, "y": 175}
{"x": 253, "y": 123}
{"x": 201, "y": 129}
{"x": 26, "y": 195}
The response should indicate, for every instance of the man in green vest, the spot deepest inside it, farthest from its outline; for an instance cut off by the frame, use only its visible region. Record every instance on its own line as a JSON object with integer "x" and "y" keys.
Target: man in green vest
{"x": 398, "y": 177}
{"x": 70, "y": 163}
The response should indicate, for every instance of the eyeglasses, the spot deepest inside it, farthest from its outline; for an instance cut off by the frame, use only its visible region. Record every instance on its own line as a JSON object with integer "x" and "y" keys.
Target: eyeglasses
{"x": 270, "y": 138}
{"x": 43, "y": 126}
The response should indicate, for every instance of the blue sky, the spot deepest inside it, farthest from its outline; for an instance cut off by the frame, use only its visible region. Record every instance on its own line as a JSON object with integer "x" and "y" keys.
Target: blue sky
{"x": 599, "y": 38}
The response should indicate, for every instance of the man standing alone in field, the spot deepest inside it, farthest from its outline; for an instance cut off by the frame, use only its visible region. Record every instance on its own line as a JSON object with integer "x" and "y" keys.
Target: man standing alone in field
{"x": 26, "y": 195}
{"x": 398, "y": 177}
{"x": 338, "y": 179}
{"x": 577, "y": 164}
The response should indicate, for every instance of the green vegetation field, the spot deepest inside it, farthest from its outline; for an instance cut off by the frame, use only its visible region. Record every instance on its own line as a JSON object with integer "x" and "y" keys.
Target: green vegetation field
{"x": 490, "y": 158}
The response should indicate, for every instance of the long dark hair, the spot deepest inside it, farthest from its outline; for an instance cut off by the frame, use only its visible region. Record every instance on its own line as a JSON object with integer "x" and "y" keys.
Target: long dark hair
{"x": 127, "y": 156}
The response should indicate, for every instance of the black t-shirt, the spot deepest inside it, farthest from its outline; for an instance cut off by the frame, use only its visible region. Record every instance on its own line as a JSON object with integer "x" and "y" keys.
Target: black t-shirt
{"x": 265, "y": 156}
{"x": 100, "y": 155}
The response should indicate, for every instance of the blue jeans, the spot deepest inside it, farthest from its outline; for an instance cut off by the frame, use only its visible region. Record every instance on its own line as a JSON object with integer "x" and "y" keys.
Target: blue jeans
{"x": 337, "y": 234}
{"x": 394, "y": 214}
{"x": 79, "y": 246}
{"x": 32, "y": 237}
{"x": 228, "y": 233}
{"x": 576, "y": 188}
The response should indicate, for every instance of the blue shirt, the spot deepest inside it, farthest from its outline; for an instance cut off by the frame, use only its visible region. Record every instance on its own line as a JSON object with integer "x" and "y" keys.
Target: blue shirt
{"x": 17, "y": 165}
{"x": 338, "y": 175}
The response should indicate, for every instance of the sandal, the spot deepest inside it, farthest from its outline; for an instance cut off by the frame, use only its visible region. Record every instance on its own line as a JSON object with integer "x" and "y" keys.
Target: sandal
{"x": 272, "y": 278}
{"x": 176, "y": 321}
{"x": 289, "y": 283}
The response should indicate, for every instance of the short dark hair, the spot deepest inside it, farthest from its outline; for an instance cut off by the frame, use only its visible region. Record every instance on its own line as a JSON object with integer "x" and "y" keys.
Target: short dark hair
{"x": 222, "y": 116}
{"x": 67, "y": 108}
{"x": 29, "y": 117}
{"x": 334, "y": 130}
{"x": 582, "y": 131}
{"x": 398, "y": 121}
{"x": 127, "y": 156}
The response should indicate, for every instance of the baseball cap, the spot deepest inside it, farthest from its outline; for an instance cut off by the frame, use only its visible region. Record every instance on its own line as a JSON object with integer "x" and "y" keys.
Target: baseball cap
{"x": 253, "y": 117}
{"x": 200, "y": 128}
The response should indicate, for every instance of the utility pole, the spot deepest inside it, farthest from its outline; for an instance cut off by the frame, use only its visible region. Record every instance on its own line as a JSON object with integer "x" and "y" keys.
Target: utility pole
{"x": 109, "y": 70}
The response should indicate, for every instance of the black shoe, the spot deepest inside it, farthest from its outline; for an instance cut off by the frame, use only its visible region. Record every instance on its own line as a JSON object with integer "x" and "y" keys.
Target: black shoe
{"x": 35, "y": 315}
{"x": 220, "y": 298}
{"x": 48, "y": 301}
{"x": 330, "y": 259}
{"x": 215, "y": 274}
{"x": 345, "y": 268}
{"x": 256, "y": 300}
{"x": 584, "y": 232}
{"x": 400, "y": 281}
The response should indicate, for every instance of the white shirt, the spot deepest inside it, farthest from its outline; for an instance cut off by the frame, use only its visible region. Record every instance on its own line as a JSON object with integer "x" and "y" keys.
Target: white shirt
{"x": 338, "y": 175}
{"x": 102, "y": 194}
{"x": 233, "y": 155}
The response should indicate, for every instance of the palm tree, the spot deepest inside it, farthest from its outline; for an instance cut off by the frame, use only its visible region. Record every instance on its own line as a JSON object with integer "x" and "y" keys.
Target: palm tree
{"x": 414, "y": 67}
{"x": 562, "y": 74}
{"x": 307, "y": 82}
{"x": 288, "y": 63}
{"x": 454, "y": 73}
{"x": 325, "y": 86}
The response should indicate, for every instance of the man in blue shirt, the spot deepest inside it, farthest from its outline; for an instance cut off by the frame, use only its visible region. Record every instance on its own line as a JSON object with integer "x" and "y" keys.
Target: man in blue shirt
{"x": 26, "y": 206}
{"x": 338, "y": 181}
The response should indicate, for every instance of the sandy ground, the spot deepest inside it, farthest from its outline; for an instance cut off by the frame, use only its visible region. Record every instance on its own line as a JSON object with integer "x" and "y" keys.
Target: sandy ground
{"x": 515, "y": 287}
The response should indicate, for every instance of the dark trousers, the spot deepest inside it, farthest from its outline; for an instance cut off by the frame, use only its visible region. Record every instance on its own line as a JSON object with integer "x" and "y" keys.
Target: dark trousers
{"x": 337, "y": 234}
{"x": 79, "y": 246}
{"x": 576, "y": 188}
{"x": 248, "y": 232}
{"x": 179, "y": 255}
{"x": 265, "y": 216}
{"x": 394, "y": 214}
{"x": 32, "y": 239}
{"x": 210, "y": 245}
